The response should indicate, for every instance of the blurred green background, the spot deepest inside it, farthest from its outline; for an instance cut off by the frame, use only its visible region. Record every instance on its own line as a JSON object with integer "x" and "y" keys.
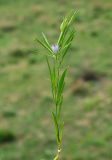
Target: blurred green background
{"x": 26, "y": 128}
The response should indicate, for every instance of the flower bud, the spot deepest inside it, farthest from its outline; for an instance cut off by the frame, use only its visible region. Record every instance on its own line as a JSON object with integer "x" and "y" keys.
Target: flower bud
{"x": 55, "y": 48}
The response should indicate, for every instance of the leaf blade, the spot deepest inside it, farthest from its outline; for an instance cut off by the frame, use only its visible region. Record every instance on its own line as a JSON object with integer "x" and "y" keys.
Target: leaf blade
{"x": 46, "y": 47}
{"x": 46, "y": 41}
{"x": 56, "y": 127}
{"x": 51, "y": 76}
{"x": 61, "y": 85}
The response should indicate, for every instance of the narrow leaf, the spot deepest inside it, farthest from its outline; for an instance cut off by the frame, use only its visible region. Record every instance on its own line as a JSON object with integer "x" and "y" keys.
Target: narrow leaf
{"x": 51, "y": 76}
{"x": 60, "y": 106}
{"x": 72, "y": 16}
{"x": 46, "y": 42}
{"x": 64, "y": 51}
{"x": 61, "y": 83}
{"x": 63, "y": 24}
{"x": 61, "y": 130}
{"x": 56, "y": 126}
{"x": 70, "y": 37}
{"x": 40, "y": 42}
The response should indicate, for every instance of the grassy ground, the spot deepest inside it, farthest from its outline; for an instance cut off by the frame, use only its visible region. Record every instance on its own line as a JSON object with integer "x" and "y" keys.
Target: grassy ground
{"x": 25, "y": 100}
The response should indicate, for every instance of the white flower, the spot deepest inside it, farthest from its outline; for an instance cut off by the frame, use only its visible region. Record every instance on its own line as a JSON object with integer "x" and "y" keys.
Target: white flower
{"x": 55, "y": 48}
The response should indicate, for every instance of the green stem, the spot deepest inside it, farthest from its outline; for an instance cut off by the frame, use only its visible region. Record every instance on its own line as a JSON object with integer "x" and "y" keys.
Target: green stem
{"x": 56, "y": 81}
{"x": 57, "y": 157}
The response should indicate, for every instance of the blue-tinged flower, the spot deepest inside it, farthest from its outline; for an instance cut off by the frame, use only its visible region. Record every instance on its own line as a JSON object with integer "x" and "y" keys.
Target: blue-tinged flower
{"x": 55, "y": 48}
